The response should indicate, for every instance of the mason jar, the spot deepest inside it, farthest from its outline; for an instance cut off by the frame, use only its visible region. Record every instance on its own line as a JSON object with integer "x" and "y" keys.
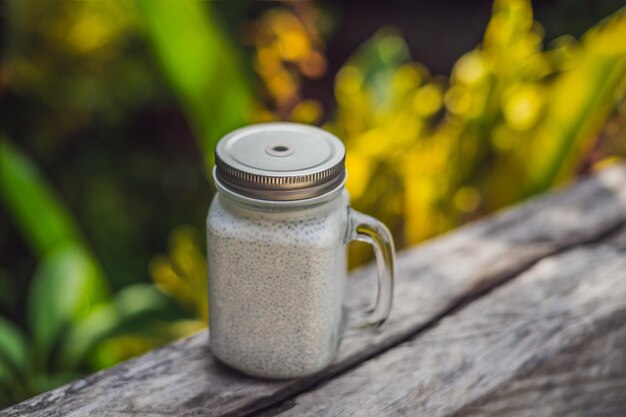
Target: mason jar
{"x": 277, "y": 231}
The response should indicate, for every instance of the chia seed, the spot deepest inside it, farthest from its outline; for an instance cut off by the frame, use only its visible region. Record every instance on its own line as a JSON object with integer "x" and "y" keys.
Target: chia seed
{"x": 276, "y": 285}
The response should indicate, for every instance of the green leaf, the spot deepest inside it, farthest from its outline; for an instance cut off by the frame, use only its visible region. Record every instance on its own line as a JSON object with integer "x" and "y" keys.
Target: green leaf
{"x": 14, "y": 365}
{"x": 68, "y": 281}
{"x": 132, "y": 309}
{"x": 13, "y": 348}
{"x": 37, "y": 211}
{"x": 201, "y": 65}
{"x": 67, "y": 286}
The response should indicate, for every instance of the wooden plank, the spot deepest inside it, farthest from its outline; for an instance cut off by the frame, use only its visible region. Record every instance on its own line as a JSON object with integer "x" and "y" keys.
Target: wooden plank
{"x": 183, "y": 378}
{"x": 550, "y": 342}
{"x": 584, "y": 380}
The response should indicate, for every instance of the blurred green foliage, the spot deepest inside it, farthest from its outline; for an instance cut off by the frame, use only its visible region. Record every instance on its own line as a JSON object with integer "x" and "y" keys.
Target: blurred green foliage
{"x": 94, "y": 89}
{"x": 70, "y": 310}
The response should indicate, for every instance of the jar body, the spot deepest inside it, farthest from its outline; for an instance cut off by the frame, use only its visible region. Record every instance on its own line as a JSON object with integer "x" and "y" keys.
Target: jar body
{"x": 276, "y": 285}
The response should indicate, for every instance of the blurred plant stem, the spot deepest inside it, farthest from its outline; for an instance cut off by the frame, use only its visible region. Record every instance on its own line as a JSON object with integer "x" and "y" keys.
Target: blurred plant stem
{"x": 201, "y": 65}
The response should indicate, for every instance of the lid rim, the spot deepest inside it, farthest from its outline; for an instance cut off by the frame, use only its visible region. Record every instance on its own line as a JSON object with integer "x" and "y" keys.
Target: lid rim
{"x": 274, "y": 194}
{"x": 268, "y": 185}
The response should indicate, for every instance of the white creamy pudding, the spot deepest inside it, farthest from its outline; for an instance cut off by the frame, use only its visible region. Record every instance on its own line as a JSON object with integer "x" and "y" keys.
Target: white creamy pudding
{"x": 276, "y": 285}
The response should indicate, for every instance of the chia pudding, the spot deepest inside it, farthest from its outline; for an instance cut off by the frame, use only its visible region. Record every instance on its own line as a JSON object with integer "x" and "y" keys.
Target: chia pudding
{"x": 276, "y": 281}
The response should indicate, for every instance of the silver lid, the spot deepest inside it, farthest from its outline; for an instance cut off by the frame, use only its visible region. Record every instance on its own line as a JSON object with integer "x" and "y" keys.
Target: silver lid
{"x": 280, "y": 161}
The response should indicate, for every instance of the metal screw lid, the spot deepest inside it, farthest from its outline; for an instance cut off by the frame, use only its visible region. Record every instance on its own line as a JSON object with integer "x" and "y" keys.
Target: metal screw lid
{"x": 280, "y": 161}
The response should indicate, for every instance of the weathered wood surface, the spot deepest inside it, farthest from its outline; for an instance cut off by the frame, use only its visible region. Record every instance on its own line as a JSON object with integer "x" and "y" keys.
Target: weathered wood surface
{"x": 432, "y": 279}
{"x": 551, "y": 342}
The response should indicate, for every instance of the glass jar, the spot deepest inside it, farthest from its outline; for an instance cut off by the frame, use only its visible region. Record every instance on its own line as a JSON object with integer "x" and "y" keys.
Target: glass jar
{"x": 277, "y": 231}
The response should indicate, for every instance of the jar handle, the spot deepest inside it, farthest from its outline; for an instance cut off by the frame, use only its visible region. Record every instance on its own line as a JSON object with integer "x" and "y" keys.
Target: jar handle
{"x": 369, "y": 230}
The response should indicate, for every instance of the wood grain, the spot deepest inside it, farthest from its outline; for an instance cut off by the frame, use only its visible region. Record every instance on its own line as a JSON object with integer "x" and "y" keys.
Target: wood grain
{"x": 551, "y": 342}
{"x": 183, "y": 379}
{"x": 584, "y": 380}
